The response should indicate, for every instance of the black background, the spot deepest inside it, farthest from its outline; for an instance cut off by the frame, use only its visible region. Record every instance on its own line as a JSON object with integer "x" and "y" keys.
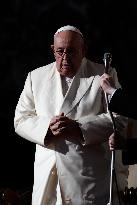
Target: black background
{"x": 27, "y": 28}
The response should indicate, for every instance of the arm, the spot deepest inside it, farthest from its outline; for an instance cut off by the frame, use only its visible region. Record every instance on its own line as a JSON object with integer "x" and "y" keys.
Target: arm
{"x": 26, "y": 121}
{"x": 98, "y": 128}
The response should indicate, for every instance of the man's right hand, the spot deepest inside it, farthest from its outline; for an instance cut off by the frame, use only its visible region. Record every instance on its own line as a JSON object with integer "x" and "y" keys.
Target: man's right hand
{"x": 58, "y": 124}
{"x": 62, "y": 126}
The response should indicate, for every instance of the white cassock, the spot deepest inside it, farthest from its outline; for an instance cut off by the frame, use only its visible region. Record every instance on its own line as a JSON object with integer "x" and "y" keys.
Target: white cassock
{"x": 66, "y": 172}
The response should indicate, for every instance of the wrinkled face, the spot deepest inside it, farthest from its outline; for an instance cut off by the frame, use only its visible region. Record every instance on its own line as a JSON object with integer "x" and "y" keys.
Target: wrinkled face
{"x": 69, "y": 51}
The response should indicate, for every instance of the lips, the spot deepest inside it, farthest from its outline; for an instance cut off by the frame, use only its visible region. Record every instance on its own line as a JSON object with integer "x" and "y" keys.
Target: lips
{"x": 66, "y": 66}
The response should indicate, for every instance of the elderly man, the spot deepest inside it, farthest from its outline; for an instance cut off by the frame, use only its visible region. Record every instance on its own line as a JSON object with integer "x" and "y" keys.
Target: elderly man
{"x": 62, "y": 110}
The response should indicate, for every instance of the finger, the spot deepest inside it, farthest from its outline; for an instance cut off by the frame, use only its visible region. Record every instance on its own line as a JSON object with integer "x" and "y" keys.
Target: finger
{"x": 59, "y": 132}
{"x": 62, "y": 124}
{"x": 58, "y": 126}
{"x": 56, "y": 133}
{"x": 54, "y": 120}
{"x": 112, "y": 148}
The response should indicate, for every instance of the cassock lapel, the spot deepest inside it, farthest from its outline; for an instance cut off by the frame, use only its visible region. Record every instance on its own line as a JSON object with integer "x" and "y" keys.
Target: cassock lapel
{"x": 56, "y": 99}
{"x": 78, "y": 88}
{"x": 59, "y": 93}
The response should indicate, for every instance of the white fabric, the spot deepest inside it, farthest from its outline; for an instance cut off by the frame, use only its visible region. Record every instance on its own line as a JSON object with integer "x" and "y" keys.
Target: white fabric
{"x": 66, "y": 82}
{"x": 69, "y": 28}
{"x": 83, "y": 171}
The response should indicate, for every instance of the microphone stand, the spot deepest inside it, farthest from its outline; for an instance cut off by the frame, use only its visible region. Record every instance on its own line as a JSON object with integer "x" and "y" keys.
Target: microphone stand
{"x": 107, "y": 61}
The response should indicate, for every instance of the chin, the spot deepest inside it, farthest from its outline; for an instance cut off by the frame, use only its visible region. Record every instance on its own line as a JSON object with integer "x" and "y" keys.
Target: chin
{"x": 67, "y": 74}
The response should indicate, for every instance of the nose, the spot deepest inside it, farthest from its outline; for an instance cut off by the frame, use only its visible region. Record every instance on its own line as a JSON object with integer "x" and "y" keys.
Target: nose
{"x": 65, "y": 55}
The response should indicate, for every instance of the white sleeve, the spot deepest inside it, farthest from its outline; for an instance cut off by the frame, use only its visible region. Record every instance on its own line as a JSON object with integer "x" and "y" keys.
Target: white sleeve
{"x": 97, "y": 129}
{"x": 26, "y": 121}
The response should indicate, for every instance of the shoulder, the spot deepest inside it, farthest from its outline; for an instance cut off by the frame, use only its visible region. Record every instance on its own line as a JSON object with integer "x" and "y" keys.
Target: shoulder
{"x": 43, "y": 70}
{"x": 38, "y": 75}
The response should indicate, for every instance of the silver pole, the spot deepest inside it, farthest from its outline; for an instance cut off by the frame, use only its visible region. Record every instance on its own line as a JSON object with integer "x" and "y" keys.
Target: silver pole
{"x": 107, "y": 61}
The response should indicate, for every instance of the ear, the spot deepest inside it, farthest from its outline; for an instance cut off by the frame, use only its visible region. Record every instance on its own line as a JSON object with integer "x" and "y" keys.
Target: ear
{"x": 52, "y": 47}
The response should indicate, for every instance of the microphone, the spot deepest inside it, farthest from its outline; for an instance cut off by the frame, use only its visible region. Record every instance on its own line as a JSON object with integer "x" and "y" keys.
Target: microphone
{"x": 107, "y": 61}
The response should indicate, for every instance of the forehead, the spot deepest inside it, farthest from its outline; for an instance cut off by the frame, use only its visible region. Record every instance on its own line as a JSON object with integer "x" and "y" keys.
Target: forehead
{"x": 68, "y": 38}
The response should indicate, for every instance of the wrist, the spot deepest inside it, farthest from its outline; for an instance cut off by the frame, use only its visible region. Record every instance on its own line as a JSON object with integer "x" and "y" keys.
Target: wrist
{"x": 48, "y": 137}
{"x": 111, "y": 91}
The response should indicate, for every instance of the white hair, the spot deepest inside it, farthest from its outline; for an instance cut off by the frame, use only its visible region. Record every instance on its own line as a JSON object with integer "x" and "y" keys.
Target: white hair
{"x": 68, "y": 28}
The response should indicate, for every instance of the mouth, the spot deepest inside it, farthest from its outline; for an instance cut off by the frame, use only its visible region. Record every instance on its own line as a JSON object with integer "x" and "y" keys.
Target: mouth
{"x": 66, "y": 66}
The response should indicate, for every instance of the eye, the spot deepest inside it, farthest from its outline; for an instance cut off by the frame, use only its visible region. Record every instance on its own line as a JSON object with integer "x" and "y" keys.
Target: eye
{"x": 59, "y": 52}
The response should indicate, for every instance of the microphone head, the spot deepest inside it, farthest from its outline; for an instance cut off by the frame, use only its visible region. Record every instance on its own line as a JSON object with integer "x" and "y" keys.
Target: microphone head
{"x": 107, "y": 57}
{"x": 107, "y": 61}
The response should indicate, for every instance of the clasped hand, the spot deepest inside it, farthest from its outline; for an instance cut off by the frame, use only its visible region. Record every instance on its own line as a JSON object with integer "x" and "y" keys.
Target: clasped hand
{"x": 63, "y": 126}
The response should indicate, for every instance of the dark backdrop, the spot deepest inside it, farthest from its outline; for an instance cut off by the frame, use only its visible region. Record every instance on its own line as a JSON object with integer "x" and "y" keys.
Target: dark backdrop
{"x": 27, "y": 29}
